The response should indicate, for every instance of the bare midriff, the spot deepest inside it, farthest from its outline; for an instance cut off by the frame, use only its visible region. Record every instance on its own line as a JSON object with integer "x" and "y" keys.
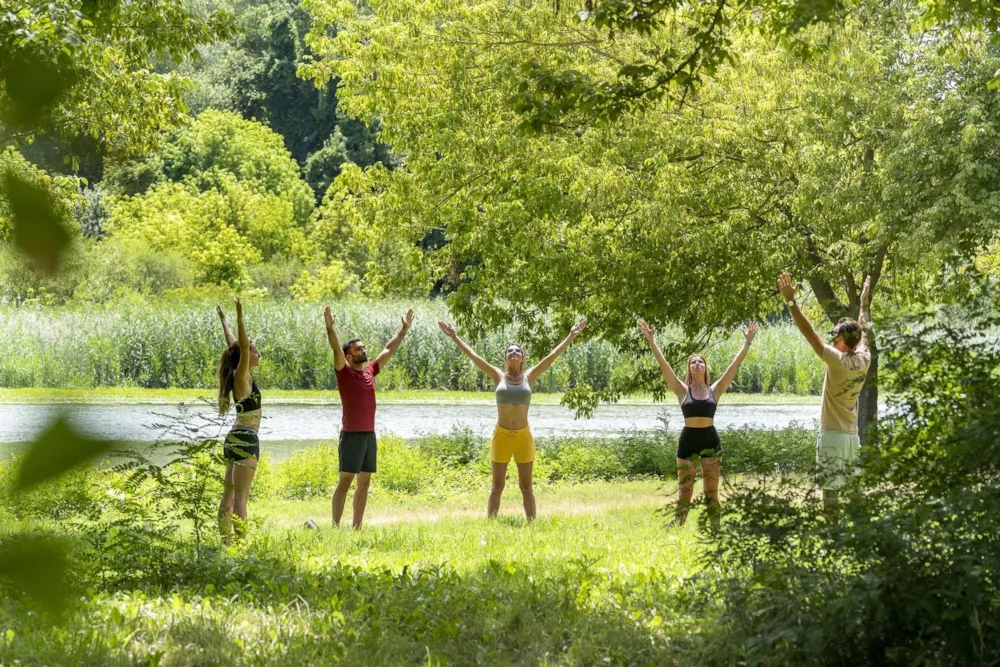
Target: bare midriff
{"x": 512, "y": 417}
{"x": 698, "y": 422}
{"x": 248, "y": 420}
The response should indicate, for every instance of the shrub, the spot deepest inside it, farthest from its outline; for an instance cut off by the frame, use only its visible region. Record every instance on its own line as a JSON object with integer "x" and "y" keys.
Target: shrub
{"x": 460, "y": 447}
{"x": 909, "y": 576}
{"x": 402, "y": 468}
{"x": 308, "y": 473}
{"x": 581, "y": 460}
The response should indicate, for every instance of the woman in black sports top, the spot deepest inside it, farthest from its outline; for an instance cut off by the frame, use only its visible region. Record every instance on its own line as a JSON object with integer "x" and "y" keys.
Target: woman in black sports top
{"x": 242, "y": 446}
{"x": 698, "y": 398}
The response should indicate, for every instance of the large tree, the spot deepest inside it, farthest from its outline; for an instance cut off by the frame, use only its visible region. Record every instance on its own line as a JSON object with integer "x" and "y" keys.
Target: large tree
{"x": 872, "y": 161}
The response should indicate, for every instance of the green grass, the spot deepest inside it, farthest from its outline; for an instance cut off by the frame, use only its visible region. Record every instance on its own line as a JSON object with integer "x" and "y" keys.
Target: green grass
{"x": 595, "y": 580}
{"x": 310, "y": 396}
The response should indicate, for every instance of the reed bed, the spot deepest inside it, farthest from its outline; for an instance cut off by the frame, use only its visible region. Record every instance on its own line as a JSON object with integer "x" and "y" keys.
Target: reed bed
{"x": 176, "y": 345}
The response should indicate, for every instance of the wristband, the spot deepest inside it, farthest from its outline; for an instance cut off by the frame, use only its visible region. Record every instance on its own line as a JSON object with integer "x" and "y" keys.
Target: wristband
{"x": 790, "y": 303}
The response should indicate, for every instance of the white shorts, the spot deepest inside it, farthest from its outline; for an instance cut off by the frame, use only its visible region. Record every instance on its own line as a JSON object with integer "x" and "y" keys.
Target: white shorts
{"x": 836, "y": 457}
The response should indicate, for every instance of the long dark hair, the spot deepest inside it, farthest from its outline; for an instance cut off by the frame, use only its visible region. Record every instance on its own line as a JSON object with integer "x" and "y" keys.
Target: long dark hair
{"x": 227, "y": 375}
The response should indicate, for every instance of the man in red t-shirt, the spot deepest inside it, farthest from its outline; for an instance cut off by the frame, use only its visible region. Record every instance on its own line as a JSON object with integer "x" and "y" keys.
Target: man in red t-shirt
{"x": 356, "y": 384}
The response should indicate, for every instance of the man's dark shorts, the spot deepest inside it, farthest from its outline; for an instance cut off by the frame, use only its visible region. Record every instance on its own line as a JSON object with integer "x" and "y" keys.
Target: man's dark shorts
{"x": 358, "y": 451}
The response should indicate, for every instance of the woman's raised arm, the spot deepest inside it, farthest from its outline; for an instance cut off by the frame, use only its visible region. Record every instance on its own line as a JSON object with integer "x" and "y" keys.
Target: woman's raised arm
{"x": 675, "y": 384}
{"x": 722, "y": 384}
{"x": 483, "y": 365}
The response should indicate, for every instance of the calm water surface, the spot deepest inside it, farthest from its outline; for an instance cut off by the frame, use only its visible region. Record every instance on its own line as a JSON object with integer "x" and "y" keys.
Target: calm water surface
{"x": 290, "y": 427}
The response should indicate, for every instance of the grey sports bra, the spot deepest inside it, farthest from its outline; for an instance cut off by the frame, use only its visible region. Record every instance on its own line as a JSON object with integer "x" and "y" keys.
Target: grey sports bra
{"x": 513, "y": 394}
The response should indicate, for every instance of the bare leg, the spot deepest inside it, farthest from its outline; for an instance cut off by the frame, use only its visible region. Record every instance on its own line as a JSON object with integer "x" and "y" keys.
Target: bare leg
{"x": 527, "y": 491}
{"x": 711, "y": 466}
{"x": 243, "y": 473}
{"x": 685, "y": 479}
{"x": 340, "y": 496}
{"x": 361, "y": 497}
{"x": 226, "y": 507}
{"x": 496, "y": 490}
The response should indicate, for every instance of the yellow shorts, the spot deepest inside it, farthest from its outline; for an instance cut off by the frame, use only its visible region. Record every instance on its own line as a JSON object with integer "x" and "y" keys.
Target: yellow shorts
{"x": 506, "y": 443}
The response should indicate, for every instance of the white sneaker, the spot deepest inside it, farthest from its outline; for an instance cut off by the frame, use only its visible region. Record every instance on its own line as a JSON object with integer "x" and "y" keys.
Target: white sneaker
{"x": 310, "y": 525}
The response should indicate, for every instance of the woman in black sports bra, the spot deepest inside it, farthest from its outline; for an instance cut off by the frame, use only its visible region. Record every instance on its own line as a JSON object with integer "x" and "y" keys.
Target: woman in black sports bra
{"x": 242, "y": 447}
{"x": 698, "y": 398}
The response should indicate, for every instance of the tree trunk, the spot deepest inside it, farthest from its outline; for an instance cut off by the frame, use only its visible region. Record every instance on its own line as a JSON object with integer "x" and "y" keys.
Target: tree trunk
{"x": 868, "y": 400}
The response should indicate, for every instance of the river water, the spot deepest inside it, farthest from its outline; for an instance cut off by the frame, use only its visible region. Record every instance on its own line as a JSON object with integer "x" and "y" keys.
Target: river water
{"x": 291, "y": 427}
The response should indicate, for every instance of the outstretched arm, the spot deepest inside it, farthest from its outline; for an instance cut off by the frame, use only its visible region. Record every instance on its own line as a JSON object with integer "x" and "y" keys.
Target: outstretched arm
{"x": 788, "y": 291}
{"x": 242, "y": 382}
{"x": 390, "y": 348}
{"x": 339, "y": 360}
{"x": 480, "y": 363}
{"x": 722, "y": 384}
{"x": 550, "y": 359}
{"x": 230, "y": 338}
{"x": 864, "y": 317}
{"x": 675, "y": 384}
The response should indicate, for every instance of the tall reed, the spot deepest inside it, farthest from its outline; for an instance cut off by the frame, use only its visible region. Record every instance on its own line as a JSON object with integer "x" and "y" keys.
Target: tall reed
{"x": 169, "y": 344}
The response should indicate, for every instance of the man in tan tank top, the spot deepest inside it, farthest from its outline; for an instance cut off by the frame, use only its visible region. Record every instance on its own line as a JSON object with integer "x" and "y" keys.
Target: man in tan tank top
{"x": 847, "y": 361}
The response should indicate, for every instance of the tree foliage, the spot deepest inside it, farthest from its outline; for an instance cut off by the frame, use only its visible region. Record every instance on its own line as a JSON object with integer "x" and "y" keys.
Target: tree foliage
{"x": 695, "y": 40}
{"x": 873, "y": 161}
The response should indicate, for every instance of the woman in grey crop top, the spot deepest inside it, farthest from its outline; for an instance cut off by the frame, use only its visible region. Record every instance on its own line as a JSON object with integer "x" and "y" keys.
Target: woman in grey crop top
{"x": 698, "y": 397}
{"x": 512, "y": 437}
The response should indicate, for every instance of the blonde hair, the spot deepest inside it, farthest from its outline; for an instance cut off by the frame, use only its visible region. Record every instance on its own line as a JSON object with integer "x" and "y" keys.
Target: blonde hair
{"x": 687, "y": 378}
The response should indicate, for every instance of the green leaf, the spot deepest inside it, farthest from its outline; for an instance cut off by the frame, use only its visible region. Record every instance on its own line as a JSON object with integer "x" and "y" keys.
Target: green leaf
{"x": 38, "y": 228}
{"x": 37, "y": 566}
{"x": 57, "y": 450}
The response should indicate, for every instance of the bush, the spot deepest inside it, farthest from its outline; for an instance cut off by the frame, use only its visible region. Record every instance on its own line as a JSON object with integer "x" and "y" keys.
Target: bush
{"x": 402, "y": 468}
{"x": 459, "y": 448}
{"x": 578, "y": 460}
{"x": 309, "y": 473}
{"x": 909, "y": 576}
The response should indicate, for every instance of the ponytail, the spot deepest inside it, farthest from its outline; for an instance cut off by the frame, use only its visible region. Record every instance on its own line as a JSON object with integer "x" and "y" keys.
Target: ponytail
{"x": 227, "y": 375}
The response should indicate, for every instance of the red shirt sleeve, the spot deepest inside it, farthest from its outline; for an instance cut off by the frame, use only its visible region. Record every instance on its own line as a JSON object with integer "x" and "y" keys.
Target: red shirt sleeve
{"x": 375, "y": 368}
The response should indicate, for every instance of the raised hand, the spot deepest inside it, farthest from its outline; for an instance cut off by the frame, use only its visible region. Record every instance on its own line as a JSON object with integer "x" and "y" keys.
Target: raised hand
{"x": 408, "y": 319}
{"x": 448, "y": 330}
{"x": 239, "y": 305}
{"x": 646, "y": 329}
{"x": 786, "y": 287}
{"x": 866, "y": 292}
{"x": 579, "y": 327}
{"x": 750, "y": 333}
{"x": 222, "y": 315}
{"x": 328, "y": 317}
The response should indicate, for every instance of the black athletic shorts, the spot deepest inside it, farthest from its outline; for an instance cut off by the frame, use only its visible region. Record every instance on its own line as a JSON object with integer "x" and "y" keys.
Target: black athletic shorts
{"x": 702, "y": 442}
{"x": 358, "y": 451}
{"x": 241, "y": 443}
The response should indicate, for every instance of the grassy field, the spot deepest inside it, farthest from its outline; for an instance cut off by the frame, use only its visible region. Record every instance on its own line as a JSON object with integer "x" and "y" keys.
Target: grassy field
{"x": 595, "y": 580}
{"x": 308, "y": 396}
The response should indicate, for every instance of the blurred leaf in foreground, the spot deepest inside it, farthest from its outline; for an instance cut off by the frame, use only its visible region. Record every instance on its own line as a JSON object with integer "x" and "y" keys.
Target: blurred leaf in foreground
{"x": 38, "y": 227}
{"x": 57, "y": 450}
{"x": 37, "y": 566}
